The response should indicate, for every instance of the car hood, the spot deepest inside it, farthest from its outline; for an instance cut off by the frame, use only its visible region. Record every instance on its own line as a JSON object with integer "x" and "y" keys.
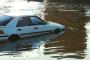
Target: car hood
{"x": 54, "y": 23}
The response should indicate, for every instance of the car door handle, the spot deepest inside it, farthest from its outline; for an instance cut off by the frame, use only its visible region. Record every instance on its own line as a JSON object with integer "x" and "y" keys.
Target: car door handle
{"x": 19, "y": 29}
{"x": 35, "y": 27}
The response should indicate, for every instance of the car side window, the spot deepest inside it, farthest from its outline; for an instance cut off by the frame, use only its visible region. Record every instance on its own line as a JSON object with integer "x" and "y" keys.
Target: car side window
{"x": 24, "y": 21}
{"x": 36, "y": 21}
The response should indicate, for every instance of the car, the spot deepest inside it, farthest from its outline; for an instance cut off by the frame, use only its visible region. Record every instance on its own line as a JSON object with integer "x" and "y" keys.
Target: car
{"x": 14, "y": 27}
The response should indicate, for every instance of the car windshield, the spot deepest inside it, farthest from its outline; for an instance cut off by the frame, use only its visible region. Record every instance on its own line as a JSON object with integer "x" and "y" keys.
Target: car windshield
{"x": 4, "y": 20}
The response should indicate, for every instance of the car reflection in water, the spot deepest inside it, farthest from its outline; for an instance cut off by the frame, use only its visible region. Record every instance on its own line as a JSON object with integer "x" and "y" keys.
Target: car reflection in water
{"x": 29, "y": 44}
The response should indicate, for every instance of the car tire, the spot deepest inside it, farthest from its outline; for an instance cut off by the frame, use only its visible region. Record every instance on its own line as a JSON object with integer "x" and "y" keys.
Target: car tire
{"x": 13, "y": 38}
{"x": 57, "y": 31}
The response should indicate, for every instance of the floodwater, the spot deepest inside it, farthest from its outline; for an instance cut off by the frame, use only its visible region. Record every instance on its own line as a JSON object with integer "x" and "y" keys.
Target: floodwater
{"x": 74, "y": 44}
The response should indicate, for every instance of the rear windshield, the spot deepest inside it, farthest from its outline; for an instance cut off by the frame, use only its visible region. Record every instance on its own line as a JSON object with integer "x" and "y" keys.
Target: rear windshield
{"x": 4, "y": 20}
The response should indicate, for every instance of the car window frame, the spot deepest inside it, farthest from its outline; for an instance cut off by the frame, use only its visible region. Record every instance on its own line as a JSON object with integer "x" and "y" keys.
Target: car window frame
{"x": 39, "y": 19}
{"x": 22, "y": 26}
{"x": 44, "y": 22}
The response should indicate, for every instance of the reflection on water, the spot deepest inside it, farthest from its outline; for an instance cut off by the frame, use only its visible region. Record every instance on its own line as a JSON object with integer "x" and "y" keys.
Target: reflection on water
{"x": 27, "y": 48}
{"x": 21, "y": 7}
{"x": 87, "y": 26}
{"x": 72, "y": 45}
{"x": 27, "y": 44}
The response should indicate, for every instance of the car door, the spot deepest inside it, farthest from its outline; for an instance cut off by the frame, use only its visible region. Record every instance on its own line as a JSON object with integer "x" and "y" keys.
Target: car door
{"x": 31, "y": 25}
{"x": 39, "y": 26}
{"x": 24, "y": 26}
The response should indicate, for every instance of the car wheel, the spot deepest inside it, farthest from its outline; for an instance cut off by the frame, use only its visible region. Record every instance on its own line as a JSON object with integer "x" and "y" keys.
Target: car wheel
{"x": 56, "y": 31}
{"x": 13, "y": 38}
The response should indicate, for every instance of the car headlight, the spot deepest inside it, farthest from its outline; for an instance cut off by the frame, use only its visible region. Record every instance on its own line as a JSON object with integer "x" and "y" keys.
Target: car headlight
{"x": 63, "y": 29}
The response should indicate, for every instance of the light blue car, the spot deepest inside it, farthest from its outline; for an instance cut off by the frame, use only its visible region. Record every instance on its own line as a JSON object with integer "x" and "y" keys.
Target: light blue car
{"x": 14, "y": 27}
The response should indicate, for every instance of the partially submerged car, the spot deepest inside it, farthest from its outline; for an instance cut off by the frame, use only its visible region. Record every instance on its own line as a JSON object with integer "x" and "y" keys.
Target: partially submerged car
{"x": 14, "y": 27}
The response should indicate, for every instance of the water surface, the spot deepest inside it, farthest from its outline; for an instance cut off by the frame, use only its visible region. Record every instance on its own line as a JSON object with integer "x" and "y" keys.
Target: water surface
{"x": 72, "y": 45}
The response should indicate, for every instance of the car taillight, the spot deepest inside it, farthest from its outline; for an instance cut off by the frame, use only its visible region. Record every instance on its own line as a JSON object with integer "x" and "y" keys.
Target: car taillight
{"x": 1, "y": 32}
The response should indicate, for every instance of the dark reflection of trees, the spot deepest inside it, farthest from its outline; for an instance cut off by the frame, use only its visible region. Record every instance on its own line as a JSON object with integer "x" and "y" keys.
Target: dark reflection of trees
{"x": 73, "y": 41}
